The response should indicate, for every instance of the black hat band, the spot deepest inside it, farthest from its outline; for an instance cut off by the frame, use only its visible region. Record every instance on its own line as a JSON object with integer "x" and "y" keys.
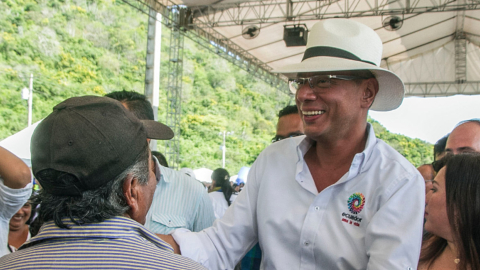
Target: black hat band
{"x": 332, "y": 52}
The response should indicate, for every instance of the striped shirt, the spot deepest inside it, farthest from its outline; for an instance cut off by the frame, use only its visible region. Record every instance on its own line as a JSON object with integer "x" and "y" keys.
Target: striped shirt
{"x": 117, "y": 243}
{"x": 180, "y": 201}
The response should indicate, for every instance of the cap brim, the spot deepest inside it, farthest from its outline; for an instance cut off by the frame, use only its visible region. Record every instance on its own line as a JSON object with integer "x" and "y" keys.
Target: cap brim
{"x": 157, "y": 131}
{"x": 390, "y": 87}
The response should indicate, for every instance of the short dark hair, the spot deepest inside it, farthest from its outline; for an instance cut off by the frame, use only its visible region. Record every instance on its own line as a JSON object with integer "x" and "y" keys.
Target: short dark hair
{"x": 474, "y": 120}
{"x": 290, "y": 109}
{"x": 136, "y": 103}
{"x": 462, "y": 188}
{"x": 439, "y": 147}
{"x": 92, "y": 206}
{"x": 161, "y": 158}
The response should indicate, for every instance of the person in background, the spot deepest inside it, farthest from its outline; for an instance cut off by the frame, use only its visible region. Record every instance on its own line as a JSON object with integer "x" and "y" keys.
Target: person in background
{"x": 427, "y": 172}
{"x": 222, "y": 197}
{"x": 289, "y": 123}
{"x": 19, "y": 229}
{"x": 452, "y": 215}
{"x": 439, "y": 148}
{"x": 15, "y": 189}
{"x": 180, "y": 201}
{"x": 92, "y": 159}
{"x": 161, "y": 158}
{"x": 465, "y": 137}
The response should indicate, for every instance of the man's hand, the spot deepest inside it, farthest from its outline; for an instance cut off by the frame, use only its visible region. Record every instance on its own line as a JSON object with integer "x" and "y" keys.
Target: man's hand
{"x": 169, "y": 239}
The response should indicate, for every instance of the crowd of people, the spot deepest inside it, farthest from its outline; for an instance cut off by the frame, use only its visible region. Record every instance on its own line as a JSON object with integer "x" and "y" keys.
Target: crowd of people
{"x": 326, "y": 194}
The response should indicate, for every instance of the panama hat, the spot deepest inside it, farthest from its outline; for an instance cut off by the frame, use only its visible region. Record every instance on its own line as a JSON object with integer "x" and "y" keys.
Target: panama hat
{"x": 345, "y": 45}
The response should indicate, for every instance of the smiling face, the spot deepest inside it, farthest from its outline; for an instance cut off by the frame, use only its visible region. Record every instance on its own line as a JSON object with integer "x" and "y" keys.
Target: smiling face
{"x": 333, "y": 112}
{"x": 18, "y": 221}
{"x": 436, "y": 209}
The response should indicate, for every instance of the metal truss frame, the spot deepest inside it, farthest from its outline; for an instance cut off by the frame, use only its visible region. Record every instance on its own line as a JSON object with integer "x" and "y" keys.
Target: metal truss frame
{"x": 217, "y": 43}
{"x": 437, "y": 89}
{"x": 209, "y": 39}
{"x": 220, "y": 15}
{"x": 174, "y": 89}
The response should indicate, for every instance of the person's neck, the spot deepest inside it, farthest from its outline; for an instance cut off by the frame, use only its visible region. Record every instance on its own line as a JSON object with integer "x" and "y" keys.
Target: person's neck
{"x": 341, "y": 150}
{"x": 452, "y": 248}
{"x": 17, "y": 237}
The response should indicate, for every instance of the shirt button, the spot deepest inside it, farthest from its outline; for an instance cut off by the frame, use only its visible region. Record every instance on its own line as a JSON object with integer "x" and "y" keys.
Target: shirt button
{"x": 306, "y": 243}
{"x": 317, "y": 208}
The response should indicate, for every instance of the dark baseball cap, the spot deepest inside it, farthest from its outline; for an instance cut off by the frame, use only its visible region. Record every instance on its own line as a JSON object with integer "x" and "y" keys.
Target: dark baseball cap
{"x": 92, "y": 138}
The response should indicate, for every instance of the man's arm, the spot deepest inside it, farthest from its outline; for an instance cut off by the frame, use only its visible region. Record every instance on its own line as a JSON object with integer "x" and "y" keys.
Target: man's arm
{"x": 226, "y": 242}
{"x": 14, "y": 172}
{"x": 15, "y": 189}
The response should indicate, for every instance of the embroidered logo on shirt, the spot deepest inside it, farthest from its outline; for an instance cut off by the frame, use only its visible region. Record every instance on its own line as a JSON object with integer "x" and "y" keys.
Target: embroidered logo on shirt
{"x": 355, "y": 204}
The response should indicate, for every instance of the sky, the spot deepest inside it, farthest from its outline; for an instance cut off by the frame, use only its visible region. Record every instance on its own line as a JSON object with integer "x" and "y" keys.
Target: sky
{"x": 429, "y": 119}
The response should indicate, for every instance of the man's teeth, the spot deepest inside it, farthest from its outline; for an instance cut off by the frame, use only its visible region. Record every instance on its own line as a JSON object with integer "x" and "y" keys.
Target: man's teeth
{"x": 313, "y": 112}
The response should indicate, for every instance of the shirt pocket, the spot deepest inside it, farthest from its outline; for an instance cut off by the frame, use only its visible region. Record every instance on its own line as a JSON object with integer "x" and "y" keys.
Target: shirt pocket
{"x": 170, "y": 221}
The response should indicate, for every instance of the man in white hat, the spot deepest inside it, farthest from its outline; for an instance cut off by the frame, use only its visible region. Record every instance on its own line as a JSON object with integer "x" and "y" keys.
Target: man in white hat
{"x": 337, "y": 198}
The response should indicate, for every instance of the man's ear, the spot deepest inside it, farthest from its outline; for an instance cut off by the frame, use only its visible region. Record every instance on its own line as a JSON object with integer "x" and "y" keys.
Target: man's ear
{"x": 369, "y": 92}
{"x": 131, "y": 193}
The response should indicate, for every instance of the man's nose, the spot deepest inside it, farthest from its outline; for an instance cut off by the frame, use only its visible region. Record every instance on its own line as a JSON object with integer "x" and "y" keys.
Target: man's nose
{"x": 305, "y": 92}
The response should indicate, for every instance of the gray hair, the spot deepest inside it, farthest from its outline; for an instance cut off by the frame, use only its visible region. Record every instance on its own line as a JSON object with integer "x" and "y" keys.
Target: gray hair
{"x": 91, "y": 206}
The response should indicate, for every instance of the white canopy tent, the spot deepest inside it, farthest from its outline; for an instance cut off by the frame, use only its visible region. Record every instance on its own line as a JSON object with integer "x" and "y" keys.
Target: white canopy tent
{"x": 434, "y": 48}
{"x": 203, "y": 175}
{"x": 19, "y": 143}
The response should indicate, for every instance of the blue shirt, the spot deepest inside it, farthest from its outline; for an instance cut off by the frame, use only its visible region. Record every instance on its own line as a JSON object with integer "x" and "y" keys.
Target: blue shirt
{"x": 180, "y": 201}
{"x": 117, "y": 243}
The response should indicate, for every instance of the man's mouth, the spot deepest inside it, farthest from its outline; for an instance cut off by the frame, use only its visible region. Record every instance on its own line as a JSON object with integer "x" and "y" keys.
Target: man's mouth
{"x": 311, "y": 113}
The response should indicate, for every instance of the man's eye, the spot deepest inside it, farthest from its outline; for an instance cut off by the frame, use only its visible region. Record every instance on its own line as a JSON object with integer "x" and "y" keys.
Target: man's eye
{"x": 323, "y": 83}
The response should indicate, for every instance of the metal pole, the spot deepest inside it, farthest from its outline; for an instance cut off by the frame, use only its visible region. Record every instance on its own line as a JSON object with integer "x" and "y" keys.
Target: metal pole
{"x": 30, "y": 101}
{"x": 152, "y": 73}
{"x": 223, "y": 149}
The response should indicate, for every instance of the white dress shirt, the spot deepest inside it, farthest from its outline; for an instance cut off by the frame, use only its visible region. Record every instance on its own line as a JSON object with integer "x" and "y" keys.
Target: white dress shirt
{"x": 371, "y": 218}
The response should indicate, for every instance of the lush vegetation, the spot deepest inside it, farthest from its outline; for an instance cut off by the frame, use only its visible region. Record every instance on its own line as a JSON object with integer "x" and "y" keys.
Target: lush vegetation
{"x": 80, "y": 47}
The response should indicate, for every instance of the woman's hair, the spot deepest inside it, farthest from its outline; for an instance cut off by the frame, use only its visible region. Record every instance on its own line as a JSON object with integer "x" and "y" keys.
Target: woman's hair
{"x": 91, "y": 206}
{"x": 462, "y": 188}
{"x": 222, "y": 180}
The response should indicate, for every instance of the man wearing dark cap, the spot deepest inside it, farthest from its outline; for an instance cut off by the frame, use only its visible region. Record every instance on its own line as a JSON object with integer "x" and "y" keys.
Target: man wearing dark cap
{"x": 337, "y": 198}
{"x": 180, "y": 201}
{"x": 92, "y": 159}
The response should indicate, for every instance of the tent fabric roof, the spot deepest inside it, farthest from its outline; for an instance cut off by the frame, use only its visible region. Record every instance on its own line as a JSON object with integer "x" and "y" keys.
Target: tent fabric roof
{"x": 433, "y": 32}
{"x": 19, "y": 143}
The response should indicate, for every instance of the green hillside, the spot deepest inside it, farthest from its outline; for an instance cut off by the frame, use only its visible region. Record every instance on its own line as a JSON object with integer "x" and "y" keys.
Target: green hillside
{"x": 80, "y": 47}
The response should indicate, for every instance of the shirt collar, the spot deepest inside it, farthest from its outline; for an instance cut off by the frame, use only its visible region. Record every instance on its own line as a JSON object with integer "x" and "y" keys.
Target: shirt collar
{"x": 358, "y": 162}
{"x": 158, "y": 172}
{"x": 113, "y": 228}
